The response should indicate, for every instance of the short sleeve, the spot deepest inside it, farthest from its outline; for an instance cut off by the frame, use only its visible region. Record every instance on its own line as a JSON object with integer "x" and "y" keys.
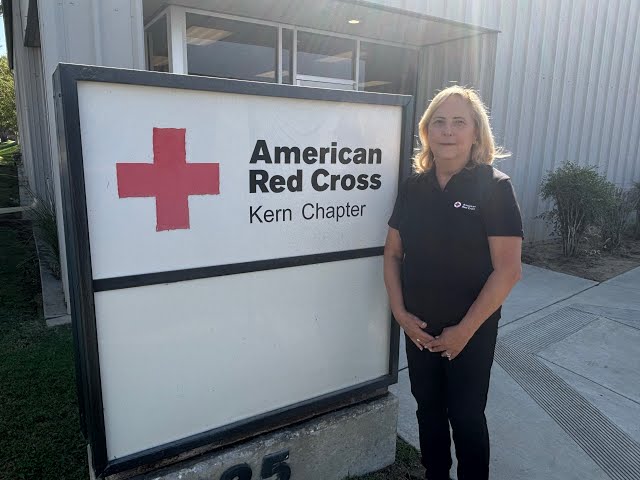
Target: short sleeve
{"x": 400, "y": 207}
{"x": 501, "y": 212}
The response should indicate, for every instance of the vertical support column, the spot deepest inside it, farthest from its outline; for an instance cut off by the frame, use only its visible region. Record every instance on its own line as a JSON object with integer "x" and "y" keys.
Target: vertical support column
{"x": 279, "y": 57}
{"x": 138, "y": 36}
{"x": 177, "y": 36}
{"x": 294, "y": 61}
{"x": 356, "y": 67}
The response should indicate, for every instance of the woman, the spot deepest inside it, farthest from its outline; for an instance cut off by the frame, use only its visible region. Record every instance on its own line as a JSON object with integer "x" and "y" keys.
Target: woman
{"x": 452, "y": 256}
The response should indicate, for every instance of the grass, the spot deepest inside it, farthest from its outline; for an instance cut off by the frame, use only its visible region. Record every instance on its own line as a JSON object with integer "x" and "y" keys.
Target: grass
{"x": 407, "y": 463}
{"x": 39, "y": 425}
{"x": 9, "y": 194}
{"x": 7, "y": 149}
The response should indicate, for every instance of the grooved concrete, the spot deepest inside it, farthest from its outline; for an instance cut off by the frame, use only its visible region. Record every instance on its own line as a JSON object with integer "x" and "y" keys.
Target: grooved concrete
{"x": 610, "y": 447}
{"x": 619, "y": 409}
{"x": 526, "y": 443}
{"x": 553, "y": 328}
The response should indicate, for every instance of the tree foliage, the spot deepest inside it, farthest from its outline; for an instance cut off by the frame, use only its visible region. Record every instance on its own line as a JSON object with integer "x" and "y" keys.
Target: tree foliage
{"x": 8, "y": 117}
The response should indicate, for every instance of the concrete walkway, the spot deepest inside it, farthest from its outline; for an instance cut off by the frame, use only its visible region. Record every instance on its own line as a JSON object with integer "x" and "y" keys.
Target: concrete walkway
{"x": 564, "y": 401}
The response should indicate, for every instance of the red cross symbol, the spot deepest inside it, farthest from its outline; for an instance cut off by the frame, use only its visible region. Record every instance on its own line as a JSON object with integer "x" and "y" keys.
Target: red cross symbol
{"x": 170, "y": 179}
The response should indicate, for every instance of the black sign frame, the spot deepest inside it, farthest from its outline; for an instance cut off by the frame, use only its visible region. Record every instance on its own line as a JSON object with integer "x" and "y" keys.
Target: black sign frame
{"x": 82, "y": 286}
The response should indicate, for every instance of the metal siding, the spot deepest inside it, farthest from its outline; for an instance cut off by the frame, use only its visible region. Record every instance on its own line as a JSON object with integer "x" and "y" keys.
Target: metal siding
{"x": 621, "y": 88}
{"x": 30, "y": 102}
{"x": 552, "y": 130}
{"x": 89, "y": 32}
{"x": 119, "y": 34}
{"x": 602, "y": 149}
{"x": 484, "y": 14}
{"x": 579, "y": 97}
{"x": 632, "y": 124}
{"x": 566, "y": 87}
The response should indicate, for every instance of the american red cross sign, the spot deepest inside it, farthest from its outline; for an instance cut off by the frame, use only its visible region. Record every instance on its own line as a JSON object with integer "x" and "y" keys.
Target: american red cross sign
{"x": 249, "y": 275}
{"x": 170, "y": 179}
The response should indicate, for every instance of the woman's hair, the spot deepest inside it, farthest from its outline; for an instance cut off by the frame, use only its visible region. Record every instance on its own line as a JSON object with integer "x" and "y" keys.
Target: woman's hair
{"x": 483, "y": 151}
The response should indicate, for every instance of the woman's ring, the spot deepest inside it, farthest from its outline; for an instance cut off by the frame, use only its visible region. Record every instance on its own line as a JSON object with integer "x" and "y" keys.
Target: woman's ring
{"x": 448, "y": 355}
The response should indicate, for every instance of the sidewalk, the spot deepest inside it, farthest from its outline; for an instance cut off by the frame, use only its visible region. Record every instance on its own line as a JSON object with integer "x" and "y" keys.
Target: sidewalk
{"x": 564, "y": 401}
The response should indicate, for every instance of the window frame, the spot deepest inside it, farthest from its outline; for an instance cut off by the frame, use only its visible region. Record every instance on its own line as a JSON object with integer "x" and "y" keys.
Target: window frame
{"x": 176, "y": 23}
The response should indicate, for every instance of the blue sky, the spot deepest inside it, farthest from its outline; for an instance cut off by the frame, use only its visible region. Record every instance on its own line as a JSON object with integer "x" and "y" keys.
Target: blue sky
{"x": 3, "y": 46}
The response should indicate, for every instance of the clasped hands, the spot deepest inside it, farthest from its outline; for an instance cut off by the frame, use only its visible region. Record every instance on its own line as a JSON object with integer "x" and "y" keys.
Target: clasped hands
{"x": 449, "y": 343}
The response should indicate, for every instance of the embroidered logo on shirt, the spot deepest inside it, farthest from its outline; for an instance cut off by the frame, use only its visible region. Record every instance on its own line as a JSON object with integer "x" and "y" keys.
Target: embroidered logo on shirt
{"x": 465, "y": 206}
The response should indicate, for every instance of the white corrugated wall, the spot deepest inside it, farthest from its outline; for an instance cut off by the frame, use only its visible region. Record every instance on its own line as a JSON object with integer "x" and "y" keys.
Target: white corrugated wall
{"x": 566, "y": 86}
{"x": 479, "y": 13}
{"x": 32, "y": 114}
{"x": 95, "y": 32}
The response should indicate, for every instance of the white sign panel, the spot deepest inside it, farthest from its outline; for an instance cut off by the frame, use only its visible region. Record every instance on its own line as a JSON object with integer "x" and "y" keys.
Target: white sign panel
{"x": 225, "y": 246}
{"x": 183, "y": 358}
{"x": 288, "y": 177}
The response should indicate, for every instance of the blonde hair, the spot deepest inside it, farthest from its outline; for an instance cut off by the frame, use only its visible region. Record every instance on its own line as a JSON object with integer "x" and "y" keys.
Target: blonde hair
{"x": 483, "y": 151}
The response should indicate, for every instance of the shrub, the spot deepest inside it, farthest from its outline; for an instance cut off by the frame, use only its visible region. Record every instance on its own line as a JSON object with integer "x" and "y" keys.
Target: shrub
{"x": 580, "y": 196}
{"x": 615, "y": 217}
{"x": 635, "y": 195}
{"x": 43, "y": 216}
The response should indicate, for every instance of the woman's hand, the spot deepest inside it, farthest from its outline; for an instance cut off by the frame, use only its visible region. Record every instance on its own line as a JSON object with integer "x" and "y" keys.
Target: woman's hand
{"x": 413, "y": 327}
{"x": 450, "y": 342}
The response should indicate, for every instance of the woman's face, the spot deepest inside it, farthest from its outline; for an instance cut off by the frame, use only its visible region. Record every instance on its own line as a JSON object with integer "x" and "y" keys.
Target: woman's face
{"x": 451, "y": 131}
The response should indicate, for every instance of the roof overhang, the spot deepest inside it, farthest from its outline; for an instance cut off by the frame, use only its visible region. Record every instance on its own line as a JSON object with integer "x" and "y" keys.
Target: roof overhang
{"x": 32, "y": 30}
{"x": 377, "y": 21}
{"x": 31, "y": 36}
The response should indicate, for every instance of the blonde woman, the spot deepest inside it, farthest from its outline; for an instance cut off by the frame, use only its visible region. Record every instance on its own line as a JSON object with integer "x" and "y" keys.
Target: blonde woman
{"x": 452, "y": 256}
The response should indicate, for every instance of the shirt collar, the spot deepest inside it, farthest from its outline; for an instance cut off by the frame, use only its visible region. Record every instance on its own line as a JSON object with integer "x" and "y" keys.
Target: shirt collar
{"x": 463, "y": 174}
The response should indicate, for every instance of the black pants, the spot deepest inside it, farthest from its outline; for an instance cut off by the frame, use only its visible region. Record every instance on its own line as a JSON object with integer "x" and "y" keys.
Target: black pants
{"x": 454, "y": 392}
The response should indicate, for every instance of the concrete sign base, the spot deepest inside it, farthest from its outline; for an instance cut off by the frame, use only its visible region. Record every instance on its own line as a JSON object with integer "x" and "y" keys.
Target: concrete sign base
{"x": 351, "y": 441}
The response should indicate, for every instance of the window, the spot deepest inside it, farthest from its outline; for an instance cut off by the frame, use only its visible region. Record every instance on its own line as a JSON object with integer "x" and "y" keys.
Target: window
{"x": 387, "y": 69}
{"x": 325, "y": 56}
{"x": 158, "y": 46}
{"x": 218, "y": 47}
{"x": 232, "y": 47}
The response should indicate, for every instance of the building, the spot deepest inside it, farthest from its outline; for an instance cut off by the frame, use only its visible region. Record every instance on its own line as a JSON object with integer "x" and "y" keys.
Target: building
{"x": 561, "y": 79}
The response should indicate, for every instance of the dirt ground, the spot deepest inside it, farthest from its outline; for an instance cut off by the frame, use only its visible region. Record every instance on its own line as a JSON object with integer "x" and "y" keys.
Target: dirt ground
{"x": 591, "y": 263}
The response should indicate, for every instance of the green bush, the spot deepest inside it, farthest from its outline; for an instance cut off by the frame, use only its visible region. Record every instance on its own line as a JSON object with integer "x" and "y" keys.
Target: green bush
{"x": 615, "y": 217}
{"x": 635, "y": 196}
{"x": 43, "y": 216}
{"x": 581, "y": 197}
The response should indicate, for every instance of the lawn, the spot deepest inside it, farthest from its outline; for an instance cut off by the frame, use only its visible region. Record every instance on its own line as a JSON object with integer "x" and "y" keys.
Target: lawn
{"x": 407, "y": 463}
{"x": 39, "y": 425}
{"x": 9, "y": 195}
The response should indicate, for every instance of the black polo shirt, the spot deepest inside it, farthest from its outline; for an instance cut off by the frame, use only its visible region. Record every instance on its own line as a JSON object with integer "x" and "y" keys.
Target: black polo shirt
{"x": 444, "y": 236}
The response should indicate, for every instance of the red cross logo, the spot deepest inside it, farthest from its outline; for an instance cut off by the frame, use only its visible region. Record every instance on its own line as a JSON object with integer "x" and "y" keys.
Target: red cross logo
{"x": 170, "y": 179}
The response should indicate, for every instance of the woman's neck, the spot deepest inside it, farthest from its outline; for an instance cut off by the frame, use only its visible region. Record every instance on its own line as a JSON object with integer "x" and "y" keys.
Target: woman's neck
{"x": 446, "y": 170}
{"x": 450, "y": 167}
